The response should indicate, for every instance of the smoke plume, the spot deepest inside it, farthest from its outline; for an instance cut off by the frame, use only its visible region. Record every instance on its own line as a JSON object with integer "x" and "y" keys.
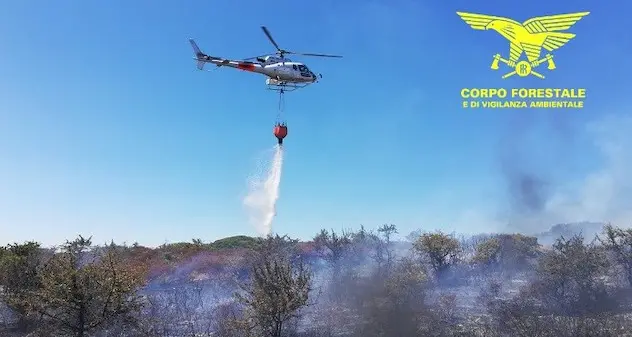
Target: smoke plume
{"x": 263, "y": 192}
{"x": 539, "y": 199}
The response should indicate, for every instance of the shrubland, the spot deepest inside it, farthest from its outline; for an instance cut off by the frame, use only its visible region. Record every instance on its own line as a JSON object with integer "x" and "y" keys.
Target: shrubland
{"x": 341, "y": 283}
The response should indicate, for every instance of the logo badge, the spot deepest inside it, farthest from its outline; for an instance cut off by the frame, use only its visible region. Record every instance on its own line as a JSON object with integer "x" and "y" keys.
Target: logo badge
{"x": 529, "y": 38}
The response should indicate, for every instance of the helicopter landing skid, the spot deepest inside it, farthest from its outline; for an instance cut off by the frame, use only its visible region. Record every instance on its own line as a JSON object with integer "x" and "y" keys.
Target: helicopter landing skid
{"x": 277, "y": 85}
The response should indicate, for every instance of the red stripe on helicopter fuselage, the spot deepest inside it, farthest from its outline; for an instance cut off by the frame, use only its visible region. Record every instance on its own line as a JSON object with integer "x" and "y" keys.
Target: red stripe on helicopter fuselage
{"x": 246, "y": 66}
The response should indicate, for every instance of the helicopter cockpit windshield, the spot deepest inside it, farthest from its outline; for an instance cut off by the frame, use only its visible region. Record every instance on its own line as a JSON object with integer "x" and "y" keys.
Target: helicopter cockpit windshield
{"x": 305, "y": 72}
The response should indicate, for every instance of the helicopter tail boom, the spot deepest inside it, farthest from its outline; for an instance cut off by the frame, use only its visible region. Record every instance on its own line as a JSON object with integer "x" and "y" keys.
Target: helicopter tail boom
{"x": 203, "y": 58}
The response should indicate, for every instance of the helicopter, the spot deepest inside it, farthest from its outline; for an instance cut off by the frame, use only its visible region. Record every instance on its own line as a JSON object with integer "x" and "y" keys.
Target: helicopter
{"x": 283, "y": 74}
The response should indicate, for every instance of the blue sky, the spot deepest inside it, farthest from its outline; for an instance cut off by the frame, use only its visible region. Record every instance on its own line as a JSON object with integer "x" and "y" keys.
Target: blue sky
{"x": 108, "y": 129}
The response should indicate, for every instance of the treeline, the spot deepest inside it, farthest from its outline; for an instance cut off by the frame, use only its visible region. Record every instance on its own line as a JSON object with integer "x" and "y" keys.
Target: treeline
{"x": 355, "y": 283}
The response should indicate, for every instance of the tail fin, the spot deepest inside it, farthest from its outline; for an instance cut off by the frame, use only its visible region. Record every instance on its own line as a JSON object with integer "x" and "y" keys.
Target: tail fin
{"x": 198, "y": 54}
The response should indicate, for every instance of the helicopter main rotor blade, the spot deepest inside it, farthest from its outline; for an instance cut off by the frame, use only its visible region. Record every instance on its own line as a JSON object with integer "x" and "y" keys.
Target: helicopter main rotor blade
{"x": 319, "y": 55}
{"x": 265, "y": 30}
{"x": 255, "y": 57}
{"x": 310, "y": 54}
{"x": 282, "y": 51}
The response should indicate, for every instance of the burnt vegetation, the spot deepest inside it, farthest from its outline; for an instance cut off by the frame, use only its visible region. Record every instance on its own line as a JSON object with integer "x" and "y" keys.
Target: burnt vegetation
{"x": 345, "y": 283}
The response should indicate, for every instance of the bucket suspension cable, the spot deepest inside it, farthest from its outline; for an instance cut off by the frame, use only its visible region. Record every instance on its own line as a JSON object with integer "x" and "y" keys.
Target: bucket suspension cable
{"x": 281, "y": 105}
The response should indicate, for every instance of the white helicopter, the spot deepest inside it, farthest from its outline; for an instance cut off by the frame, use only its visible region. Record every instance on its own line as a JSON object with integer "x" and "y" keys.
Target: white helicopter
{"x": 283, "y": 74}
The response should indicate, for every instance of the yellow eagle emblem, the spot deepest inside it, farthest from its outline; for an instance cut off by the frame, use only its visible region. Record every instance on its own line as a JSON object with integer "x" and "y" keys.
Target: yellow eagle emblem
{"x": 529, "y": 37}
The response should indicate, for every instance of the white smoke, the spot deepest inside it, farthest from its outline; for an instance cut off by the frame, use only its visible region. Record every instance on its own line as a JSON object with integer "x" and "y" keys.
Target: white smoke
{"x": 263, "y": 192}
{"x": 604, "y": 195}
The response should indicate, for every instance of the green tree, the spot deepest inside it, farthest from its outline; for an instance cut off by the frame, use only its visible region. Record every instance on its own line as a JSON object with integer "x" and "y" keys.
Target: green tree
{"x": 487, "y": 253}
{"x": 440, "y": 250}
{"x": 618, "y": 242}
{"x": 387, "y": 231}
{"x": 393, "y": 304}
{"x": 570, "y": 277}
{"x": 512, "y": 252}
{"x": 570, "y": 281}
{"x": 20, "y": 265}
{"x": 335, "y": 246}
{"x": 568, "y": 297}
{"x": 84, "y": 291}
{"x": 275, "y": 246}
{"x": 277, "y": 292}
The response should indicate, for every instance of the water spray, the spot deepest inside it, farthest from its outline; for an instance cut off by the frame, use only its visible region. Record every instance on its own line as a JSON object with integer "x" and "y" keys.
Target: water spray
{"x": 264, "y": 192}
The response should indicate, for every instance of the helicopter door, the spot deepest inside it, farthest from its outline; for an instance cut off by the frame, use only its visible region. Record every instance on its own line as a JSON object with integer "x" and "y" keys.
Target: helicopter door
{"x": 283, "y": 70}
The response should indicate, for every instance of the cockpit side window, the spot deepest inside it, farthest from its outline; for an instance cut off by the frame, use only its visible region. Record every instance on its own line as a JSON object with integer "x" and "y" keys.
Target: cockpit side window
{"x": 294, "y": 66}
{"x": 302, "y": 68}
